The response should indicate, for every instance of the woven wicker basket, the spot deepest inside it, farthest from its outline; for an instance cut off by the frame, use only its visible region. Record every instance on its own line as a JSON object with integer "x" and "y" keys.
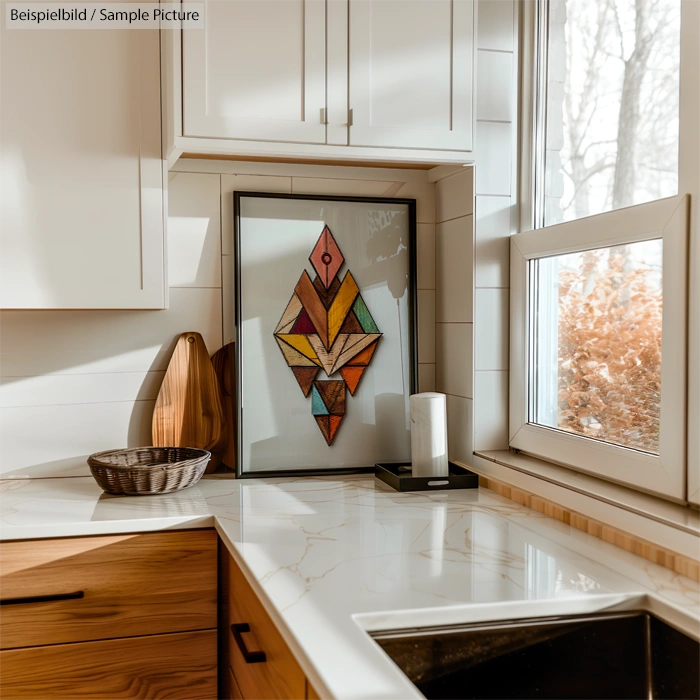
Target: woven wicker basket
{"x": 142, "y": 471}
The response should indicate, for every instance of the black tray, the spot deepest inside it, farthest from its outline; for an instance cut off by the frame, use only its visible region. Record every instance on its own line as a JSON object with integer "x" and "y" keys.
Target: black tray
{"x": 398, "y": 476}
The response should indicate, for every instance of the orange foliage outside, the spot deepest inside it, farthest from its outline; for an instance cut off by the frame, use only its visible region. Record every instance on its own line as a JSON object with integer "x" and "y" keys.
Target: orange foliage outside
{"x": 610, "y": 351}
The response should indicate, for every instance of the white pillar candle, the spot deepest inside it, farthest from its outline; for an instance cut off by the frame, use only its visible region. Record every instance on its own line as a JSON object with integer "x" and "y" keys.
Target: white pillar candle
{"x": 429, "y": 434}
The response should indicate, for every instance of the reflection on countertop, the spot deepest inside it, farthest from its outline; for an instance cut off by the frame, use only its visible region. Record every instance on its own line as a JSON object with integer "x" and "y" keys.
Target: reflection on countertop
{"x": 333, "y": 556}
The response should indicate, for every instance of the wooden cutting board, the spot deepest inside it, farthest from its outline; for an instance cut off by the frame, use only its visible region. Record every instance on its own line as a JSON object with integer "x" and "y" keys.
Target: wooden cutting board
{"x": 224, "y": 361}
{"x": 189, "y": 411}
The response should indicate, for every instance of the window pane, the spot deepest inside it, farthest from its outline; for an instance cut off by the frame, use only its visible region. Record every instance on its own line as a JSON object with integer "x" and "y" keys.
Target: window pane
{"x": 612, "y": 105}
{"x": 596, "y": 344}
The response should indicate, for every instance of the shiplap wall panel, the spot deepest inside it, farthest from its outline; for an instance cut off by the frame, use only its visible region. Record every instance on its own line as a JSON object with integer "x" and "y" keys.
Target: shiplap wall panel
{"x": 454, "y": 197}
{"x": 495, "y": 27}
{"x": 491, "y": 318}
{"x": 454, "y": 259}
{"x": 425, "y": 250}
{"x": 47, "y": 441}
{"x": 92, "y": 342}
{"x": 194, "y": 230}
{"x": 492, "y": 244}
{"x": 454, "y": 262}
{"x": 454, "y": 372}
{"x": 495, "y": 204}
{"x": 490, "y": 407}
{"x": 61, "y": 389}
{"x": 460, "y": 436}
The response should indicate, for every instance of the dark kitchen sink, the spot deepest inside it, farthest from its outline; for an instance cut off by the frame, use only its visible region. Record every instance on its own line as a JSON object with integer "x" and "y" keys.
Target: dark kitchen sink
{"x": 611, "y": 655}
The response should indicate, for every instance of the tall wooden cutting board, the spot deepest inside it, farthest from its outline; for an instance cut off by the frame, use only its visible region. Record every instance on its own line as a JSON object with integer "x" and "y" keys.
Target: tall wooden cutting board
{"x": 189, "y": 410}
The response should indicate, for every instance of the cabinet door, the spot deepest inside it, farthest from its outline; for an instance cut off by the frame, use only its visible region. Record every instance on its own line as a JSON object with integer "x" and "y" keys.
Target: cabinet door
{"x": 81, "y": 178}
{"x": 257, "y": 71}
{"x": 411, "y": 73}
{"x": 248, "y": 627}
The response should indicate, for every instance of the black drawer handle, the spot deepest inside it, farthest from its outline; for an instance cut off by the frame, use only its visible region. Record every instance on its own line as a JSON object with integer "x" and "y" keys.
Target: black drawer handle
{"x": 42, "y": 598}
{"x": 251, "y": 657}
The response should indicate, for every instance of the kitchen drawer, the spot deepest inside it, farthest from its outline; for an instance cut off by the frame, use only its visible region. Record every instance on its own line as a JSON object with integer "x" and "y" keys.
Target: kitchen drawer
{"x": 234, "y": 692}
{"x": 279, "y": 676}
{"x": 105, "y": 587}
{"x": 169, "y": 666}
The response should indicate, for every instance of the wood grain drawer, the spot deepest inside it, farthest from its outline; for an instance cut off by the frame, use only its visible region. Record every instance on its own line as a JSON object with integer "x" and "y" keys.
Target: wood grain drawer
{"x": 174, "y": 666}
{"x": 279, "y": 677}
{"x": 234, "y": 692}
{"x": 130, "y": 584}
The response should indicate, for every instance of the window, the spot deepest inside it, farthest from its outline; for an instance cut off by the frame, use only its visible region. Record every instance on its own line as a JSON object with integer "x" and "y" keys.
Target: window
{"x": 612, "y": 105}
{"x": 599, "y": 287}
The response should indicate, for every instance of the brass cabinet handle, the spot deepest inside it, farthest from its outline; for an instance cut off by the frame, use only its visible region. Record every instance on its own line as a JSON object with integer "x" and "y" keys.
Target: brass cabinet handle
{"x": 251, "y": 657}
{"x": 42, "y": 598}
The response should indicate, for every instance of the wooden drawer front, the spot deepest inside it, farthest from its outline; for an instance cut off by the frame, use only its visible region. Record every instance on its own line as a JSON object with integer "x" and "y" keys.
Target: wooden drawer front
{"x": 163, "y": 666}
{"x": 131, "y": 585}
{"x": 279, "y": 677}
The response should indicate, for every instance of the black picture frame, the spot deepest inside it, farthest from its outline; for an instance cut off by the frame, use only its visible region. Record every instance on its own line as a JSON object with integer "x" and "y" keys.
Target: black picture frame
{"x": 412, "y": 314}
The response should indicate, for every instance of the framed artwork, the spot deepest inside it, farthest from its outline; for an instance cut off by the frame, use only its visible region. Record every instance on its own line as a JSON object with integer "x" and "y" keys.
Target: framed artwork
{"x": 325, "y": 331}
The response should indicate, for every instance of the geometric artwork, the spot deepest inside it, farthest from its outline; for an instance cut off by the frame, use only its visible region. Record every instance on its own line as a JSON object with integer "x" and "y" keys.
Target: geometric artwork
{"x": 328, "y": 330}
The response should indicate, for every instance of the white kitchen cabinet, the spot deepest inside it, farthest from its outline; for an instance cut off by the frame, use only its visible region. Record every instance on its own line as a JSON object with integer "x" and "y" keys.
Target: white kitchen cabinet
{"x": 387, "y": 80}
{"x": 411, "y": 73}
{"x": 82, "y": 222}
{"x": 257, "y": 70}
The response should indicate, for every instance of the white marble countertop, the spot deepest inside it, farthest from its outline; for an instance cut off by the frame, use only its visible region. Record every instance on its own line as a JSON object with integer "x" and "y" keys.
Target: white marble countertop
{"x": 334, "y": 557}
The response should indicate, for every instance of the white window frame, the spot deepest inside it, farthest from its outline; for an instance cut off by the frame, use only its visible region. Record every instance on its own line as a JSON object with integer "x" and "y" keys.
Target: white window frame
{"x": 669, "y": 219}
{"x": 666, "y": 219}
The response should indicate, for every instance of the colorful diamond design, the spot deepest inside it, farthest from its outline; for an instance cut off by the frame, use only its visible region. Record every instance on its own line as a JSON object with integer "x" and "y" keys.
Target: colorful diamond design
{"x": 327, "y": 327}
{"x": 326, "y": 257}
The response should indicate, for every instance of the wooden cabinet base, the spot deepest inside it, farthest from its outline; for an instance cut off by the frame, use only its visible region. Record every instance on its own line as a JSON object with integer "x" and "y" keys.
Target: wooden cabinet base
{"x": 176, "y": 666}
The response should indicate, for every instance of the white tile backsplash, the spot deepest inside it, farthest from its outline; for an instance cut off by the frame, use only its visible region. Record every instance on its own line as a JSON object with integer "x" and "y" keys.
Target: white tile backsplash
{"x": 194, "y": 230}
{"x": 426, "y": 377}
{"x": 491, "y": 322}
{"x": 454, "y": 251}
{"x": 454, "y": 196}
{"x": 454, "y": 359}
{"x": 341, "y": 188}
{"x": 460, "y": 422}
{"x": 65, "y": 389}
{"x": 491, "y": 415}
{"x": 91, "y": 341}
{"x": 493, "y": 146}
{"x": 495, "y": 24}
{"x": 425, "y": 249}
{"x": 426, "y": 326}
{"x": 42, "y": 441}
{"x": 494, "y": 74}
{"x": 424, "y": 194}
{"x": 492, "y": 241}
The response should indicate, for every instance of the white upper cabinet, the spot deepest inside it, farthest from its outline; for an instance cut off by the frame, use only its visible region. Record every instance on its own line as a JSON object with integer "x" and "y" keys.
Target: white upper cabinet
{"x": 257, "y": 71}
{"x": 81, "y": 170}
{"x": 352, "y": 79}
{"x": 411, "y": 73}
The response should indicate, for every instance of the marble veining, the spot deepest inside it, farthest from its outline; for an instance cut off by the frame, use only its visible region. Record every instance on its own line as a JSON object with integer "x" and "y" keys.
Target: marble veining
{"x": 334, "y": 557}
